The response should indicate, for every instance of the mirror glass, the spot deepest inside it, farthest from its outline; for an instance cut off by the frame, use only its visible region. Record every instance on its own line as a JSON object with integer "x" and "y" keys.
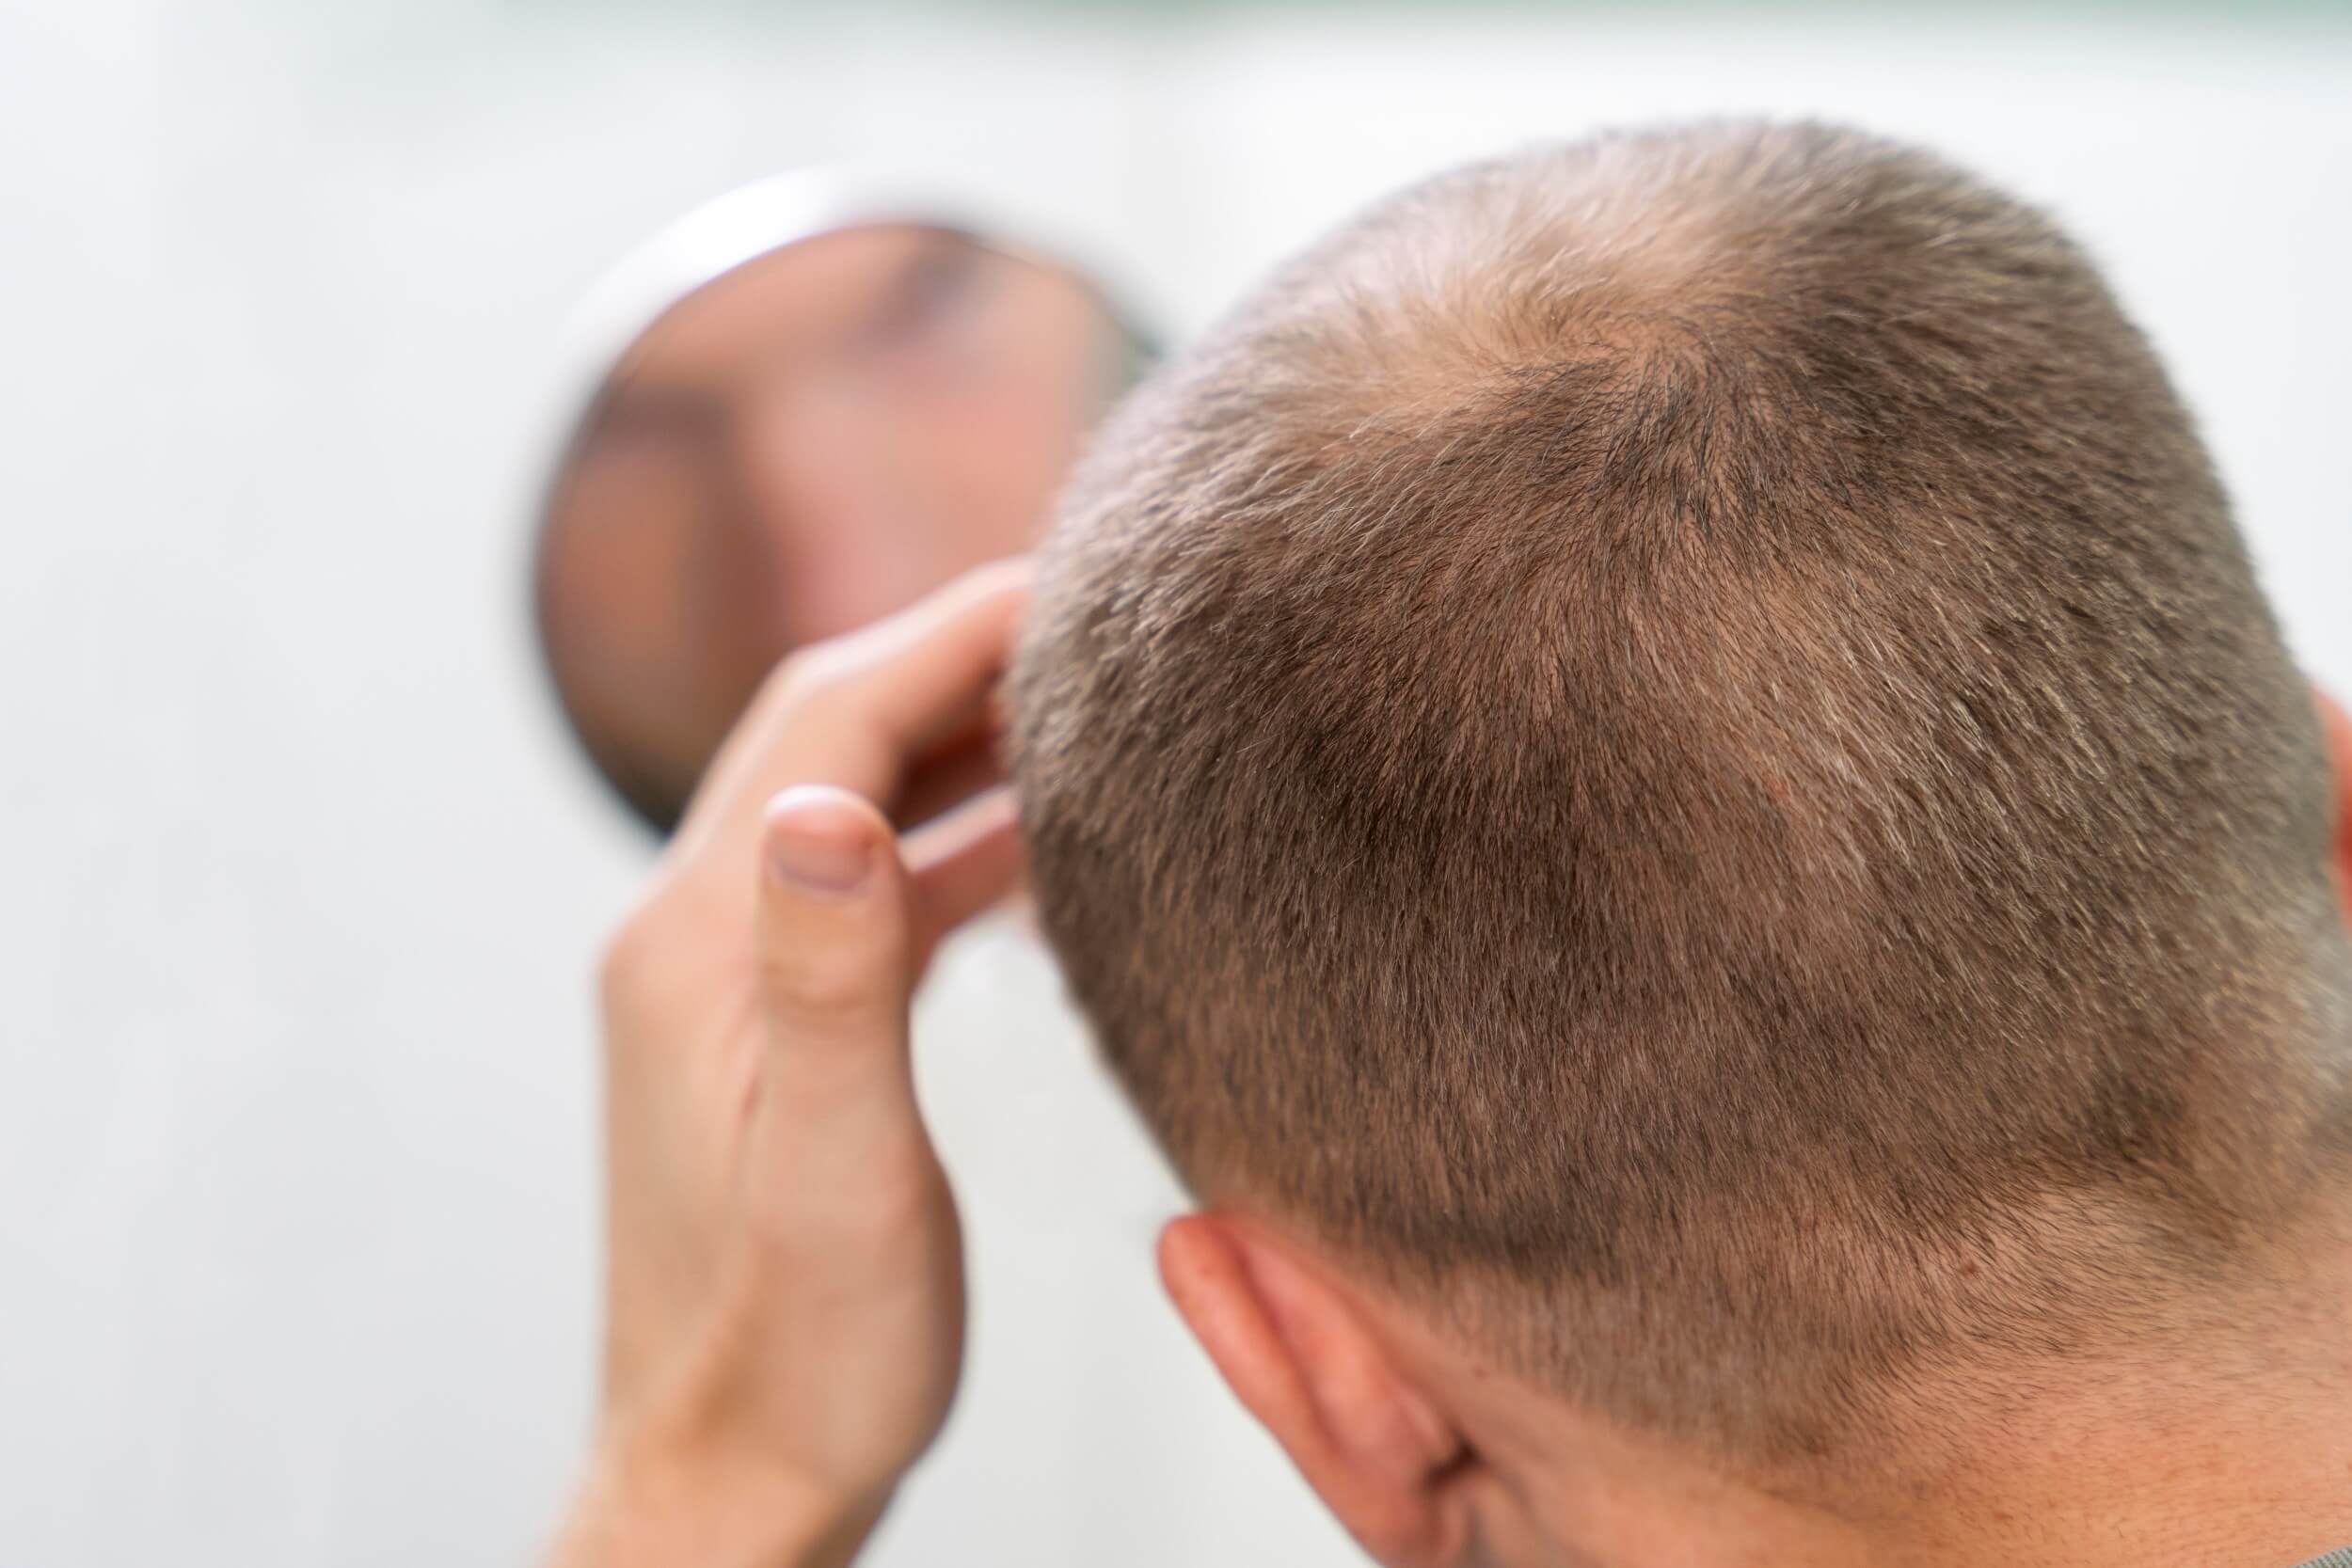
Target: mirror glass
{"x": 799, "y": 446}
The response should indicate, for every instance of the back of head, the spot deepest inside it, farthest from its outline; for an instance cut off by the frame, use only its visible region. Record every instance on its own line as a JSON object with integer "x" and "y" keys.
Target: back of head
{"x": 1669, "y": 745}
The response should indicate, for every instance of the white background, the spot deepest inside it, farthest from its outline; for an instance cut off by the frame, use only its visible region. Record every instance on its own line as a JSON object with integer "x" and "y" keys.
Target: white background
{"x": 298, "y": 890}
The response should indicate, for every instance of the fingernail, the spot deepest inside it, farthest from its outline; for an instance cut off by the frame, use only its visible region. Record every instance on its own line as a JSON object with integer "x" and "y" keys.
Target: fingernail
{"x": 826, "y": 852}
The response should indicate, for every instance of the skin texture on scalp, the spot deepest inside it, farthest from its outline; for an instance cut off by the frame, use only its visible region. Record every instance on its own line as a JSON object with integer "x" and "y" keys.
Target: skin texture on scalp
{"x": 1668, "y": 743}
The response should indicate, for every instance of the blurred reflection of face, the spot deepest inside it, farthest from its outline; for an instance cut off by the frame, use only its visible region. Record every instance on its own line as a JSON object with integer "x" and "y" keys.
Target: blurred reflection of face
{"x": 804, "y": 444}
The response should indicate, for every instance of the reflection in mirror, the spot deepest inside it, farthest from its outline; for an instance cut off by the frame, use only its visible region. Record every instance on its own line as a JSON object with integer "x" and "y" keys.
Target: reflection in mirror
{"x": 806, "y": 442}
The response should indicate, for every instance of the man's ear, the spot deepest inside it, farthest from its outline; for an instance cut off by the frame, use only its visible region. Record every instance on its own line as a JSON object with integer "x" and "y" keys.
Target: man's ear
{"x": 2337, "y": 725}
{"x": 1305, "y": 1362}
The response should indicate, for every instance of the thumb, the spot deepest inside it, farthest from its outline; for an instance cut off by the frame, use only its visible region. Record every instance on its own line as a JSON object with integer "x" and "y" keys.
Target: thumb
{"x": 835, "y": 954}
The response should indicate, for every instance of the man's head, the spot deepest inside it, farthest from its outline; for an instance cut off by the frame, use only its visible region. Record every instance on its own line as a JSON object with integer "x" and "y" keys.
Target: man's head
{"x": 1665, "y": 749}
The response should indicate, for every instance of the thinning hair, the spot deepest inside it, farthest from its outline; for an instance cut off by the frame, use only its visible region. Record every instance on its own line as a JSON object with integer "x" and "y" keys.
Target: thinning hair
{"x": 1669, "y": 743}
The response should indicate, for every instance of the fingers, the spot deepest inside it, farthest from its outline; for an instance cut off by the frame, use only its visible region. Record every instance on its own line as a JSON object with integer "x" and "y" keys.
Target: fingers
{"x": 835, "y": 952}
{"x": 844, "y": 924}
{"x": 963, "y": 864}
{"x": 941, "y": 781}
{"x": 924, "y": 673}
{"x": 862, "y": 711}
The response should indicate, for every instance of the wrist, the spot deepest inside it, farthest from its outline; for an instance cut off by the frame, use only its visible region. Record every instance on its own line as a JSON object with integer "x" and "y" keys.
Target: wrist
{"x": 641, "y": 1508}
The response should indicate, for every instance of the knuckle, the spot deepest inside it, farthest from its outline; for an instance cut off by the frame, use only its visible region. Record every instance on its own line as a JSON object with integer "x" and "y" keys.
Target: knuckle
{"x": 639, "y": 948}
{"x": 834, "y": 983}
{"x": 779, "y": 689}
{"x": 813, "y": 675}
{"x": 814, "y": 692}
{"x": 789, "y": 685}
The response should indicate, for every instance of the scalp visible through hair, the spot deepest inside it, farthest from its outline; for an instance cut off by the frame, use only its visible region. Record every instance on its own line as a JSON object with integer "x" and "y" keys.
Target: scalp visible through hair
{"x": 1669, "y": 741}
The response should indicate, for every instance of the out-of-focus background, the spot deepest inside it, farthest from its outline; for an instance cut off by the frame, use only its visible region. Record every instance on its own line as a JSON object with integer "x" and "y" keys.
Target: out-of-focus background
{"x": 300, "y": 884}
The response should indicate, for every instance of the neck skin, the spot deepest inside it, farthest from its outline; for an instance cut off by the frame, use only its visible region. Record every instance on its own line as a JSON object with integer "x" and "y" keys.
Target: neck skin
{"x": 2235, "y": 1449}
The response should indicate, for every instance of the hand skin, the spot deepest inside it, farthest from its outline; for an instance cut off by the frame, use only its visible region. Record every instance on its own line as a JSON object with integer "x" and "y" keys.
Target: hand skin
{"x": 784, "y": 1278}
{"x": 785, "y": 1288}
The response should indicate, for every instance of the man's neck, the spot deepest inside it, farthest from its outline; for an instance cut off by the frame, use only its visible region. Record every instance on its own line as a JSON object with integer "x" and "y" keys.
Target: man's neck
{"x": 2240, "y": 1465}
{"x": 2231, "y": 1448}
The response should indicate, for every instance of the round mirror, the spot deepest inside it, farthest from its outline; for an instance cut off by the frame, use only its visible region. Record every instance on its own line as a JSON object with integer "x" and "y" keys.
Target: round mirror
{"x": 797, "y": 441}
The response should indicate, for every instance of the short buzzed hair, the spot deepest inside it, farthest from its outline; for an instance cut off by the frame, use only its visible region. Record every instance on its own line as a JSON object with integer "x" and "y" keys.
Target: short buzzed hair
{"x": 1669, "y": 743}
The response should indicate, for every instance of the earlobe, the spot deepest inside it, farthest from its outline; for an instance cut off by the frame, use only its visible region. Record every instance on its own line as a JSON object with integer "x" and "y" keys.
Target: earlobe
{"x": 2337, "y": 726}
{"x": 1304, "y": 1362}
